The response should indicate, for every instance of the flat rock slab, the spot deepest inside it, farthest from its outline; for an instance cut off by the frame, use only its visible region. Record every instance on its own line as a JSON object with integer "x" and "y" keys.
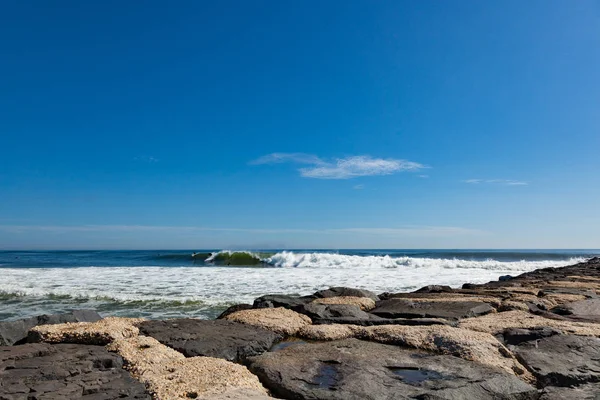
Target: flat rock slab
{"x": 591, "y": 391}
{"x": 562, "y": 360}
{"x": 65, "y": 371}
{"x": 352, "y": 369}
{"x": 229, "y": 340}
{"x": 15, "y": 332}
{"x": 583, "y": 310}
{"x": 344, "y": 292}
{"x": 400, "y": 308}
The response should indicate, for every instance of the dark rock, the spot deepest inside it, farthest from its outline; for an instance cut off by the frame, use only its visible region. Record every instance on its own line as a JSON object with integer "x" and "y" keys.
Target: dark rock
{"x": 352, "y": 315}
{"x": 400, "y": 308}
{"x": 505, "y": 278}
{"x": 375, "y": 320}
{"x": 65, "y": 371}
{"x": 318, "y": 312}
{"x": 234, "y": 308}
{"x": 229, "y": 340}
{"x": 344, "y": 291}
{"x": 562, "y": 360}
{"x": 590, "y": 391}
{"x": 15, "y": 332}
{"x": 515, "y": 336}
{"x": 435, "y": 289}
{"x": 280, "y": 300}
{"x": 583, "y": 310}
{"x": 358, "y": 370}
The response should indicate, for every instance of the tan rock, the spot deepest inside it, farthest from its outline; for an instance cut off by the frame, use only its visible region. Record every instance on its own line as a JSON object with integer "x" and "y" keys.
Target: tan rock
{"x": 170, "y": 376}
{"x": 328, "y": 332}
{"x": 555, "y": 299}
{"x": 364, "y": 303}
{"x": 238, "y": 394}
{"x": 279, "y": 320}
{"x": 496, "y": 323}
{"x": 98, "y": 333}
{"x": 575, "y": 285}
{"x": 449, "y": 297}
{"x": 469, "y": 345}
{"x": 584, "y": 278}
{"x": 508, "y": 305}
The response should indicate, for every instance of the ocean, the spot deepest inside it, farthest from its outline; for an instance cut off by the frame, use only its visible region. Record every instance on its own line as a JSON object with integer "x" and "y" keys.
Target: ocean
{"x": 170, "y": 284}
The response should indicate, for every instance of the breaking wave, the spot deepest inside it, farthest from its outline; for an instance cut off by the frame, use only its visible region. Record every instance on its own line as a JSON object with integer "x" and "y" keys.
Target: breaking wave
{"x": 289, "y": 259}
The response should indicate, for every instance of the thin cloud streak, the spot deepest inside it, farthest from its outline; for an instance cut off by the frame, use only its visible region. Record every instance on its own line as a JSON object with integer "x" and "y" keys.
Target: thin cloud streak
{"x": 400, "y": 231}
{"x": 509, "y": 182}
{"x": 340, "y": 168}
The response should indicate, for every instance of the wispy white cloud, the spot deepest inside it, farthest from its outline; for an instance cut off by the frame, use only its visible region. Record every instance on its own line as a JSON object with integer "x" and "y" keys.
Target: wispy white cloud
{"x": 509, "y": 182}
{"x": 341, "y": 168}
{"x": 358, "y": 187}
{"x": 396, "y": 231}
{"x": 424, "y": 176}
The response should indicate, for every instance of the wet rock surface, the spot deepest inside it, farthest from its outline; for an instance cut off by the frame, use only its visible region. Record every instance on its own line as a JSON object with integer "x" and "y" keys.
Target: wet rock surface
{"x": 65, "y": 371}
{"x": 354, "y": 369}
{"x": 15, "y": 332}
{"x": 562, "y": 360}
{"x": 231, "y": 341}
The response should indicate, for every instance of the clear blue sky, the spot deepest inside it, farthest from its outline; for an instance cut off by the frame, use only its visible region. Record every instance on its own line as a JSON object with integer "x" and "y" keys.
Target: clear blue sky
{"x": 336, "y": 124}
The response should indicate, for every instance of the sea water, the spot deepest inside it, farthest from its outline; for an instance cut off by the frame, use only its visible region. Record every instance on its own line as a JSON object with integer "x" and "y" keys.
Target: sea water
{"x": 192, "y": 283}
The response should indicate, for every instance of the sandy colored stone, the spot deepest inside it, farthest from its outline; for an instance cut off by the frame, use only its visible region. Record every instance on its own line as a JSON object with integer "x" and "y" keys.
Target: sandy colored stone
{"x": 469, "y": 345}
{"x": 279, "y": 320}
{"x": 99, "y": 333}
{"x": 513, "y": 305}
{"x": 496, "y": 323}
{"x": 448, "y": 297}
{"x": 329, "y": 332}
{"x": 575, "y": 285}
{"x": 364, "y": 303}
{"x": 170, "y": 376}
{"x": 555, "y": 299}
{"x": 584, "y": 278}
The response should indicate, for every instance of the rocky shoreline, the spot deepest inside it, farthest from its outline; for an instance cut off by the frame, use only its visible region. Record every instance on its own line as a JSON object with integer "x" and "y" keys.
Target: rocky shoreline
{"x": 535, "y": 336}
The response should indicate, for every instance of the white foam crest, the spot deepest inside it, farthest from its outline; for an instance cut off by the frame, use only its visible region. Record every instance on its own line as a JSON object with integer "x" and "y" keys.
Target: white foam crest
{"x": 288, "y": 259}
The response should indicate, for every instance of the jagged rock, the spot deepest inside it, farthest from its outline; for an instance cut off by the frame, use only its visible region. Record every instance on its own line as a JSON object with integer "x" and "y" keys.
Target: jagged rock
{"x": 590, "y": 391}
{"x": 435, "y": 289}
{"x": 231, "y": 341}
{"x": 401, "y": 308}
{"x": 562, "y": 360}
{"x": 277, "y": 300}
{"x": 15, "y": 332}
{"x": 505, "y": 278}
{"x": 365, "y": 303}
{"x": 234, "y": 308}
{"x": 329, "y": 332}
{"x": 469, "y": 345}
{"x": 344, "y": 291}
{"x": 318, "y": 312}
{"x": 357, "y": 370}
{"x": 498, "y": 322}
{"x": 65, "y": 371}
{"x": 169, "y": 375}
{"x": 515, "y": 336}
{"x": 583, "y": 310}
{"x": 279, "y": 320}
{"x": 98, "y": 333}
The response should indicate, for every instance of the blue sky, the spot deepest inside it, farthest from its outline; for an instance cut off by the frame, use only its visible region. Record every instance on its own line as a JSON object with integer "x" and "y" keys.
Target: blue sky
{"x": 286, "y": 124}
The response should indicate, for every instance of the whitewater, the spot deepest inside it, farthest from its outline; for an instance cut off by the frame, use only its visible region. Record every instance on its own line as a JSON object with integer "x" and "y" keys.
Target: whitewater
{"x": 169, "y": 285}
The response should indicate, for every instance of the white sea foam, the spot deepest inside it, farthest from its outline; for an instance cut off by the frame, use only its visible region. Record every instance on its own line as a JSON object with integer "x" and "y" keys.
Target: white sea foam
{"x": 210, "y": 286}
